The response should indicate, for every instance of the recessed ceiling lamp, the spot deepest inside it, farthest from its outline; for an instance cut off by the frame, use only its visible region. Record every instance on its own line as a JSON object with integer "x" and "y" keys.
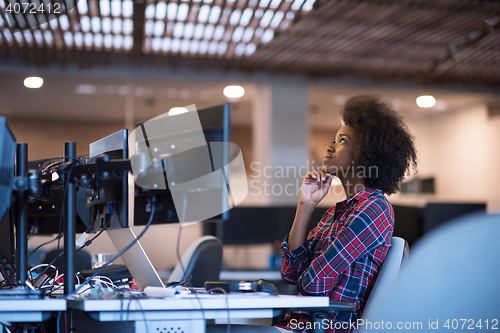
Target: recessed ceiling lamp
{"x": 33, "y": 82}
{"x": 177, "y": 110}
{"x": 234, "y": 91}
{"x": 426, "y": 101}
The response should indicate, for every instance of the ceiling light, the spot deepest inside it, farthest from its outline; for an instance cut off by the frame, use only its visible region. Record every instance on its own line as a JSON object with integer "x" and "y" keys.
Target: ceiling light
{"x": 203, "y": 13}
{"x": 96, "y": 24}
{"x": 248, "y": 35}
{"x": 250, "y": 49}
{"x": 150, "y": 11}
{"x": 234, "y": 91}
{"x": 165, "y": 46}
{"x": 277, "y": 19}
{"x": 33, "y": 82}
{"x": 297, "y": 4}
{"x": 246, "y": 16}
{"x": 214, "y": 14}
{"x": 85, "y": 89}
{"x": 104, "y": 8}
{"x": 161, "y": 10}
{"x": 171, "y": 11}
{"x": 128, "y": 8}
{"x": 222, "y": 48}
{"x": 441, "y": 106}
{"x": 182, "y": 12}
{"x": 177, "y": 110}
{"x": 85, "y": 23}
{"x": 308, "y": 5}
{"x": 266, "y": 19}
{"x": 116, "y": 8}
{"x": 426, "y": 101}
{"x": 397, "y": 104}
{"x": 240, "y": 49}
{"x": 184, "y": 93}
{"x": 82, "y": 7}
{"x": 339, "y": 99}
{"x": 237, "y": 34}
{"x": 128, "y": 42}
{"x": 235, "y": 17}
{"x": 219, "y": 32}
{"x": 267, "y": 36}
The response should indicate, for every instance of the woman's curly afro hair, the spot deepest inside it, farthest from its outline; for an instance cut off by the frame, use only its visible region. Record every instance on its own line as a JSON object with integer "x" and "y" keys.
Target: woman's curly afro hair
{"x": 383, "y": 141}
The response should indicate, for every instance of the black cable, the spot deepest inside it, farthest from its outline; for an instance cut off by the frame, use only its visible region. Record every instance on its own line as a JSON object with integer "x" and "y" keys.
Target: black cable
{"x": 50, "y": 241}
{"x": 60, "y": 235}
{"x": 142, "y": 311}
{"x": 153, "y": 208}
{"x": 76, "y": 159}
{"x": 191, "y": 288}
{"x": 58, "y": 238}
{"x": 227, "y": 305}
{"x": 87, "y": 243}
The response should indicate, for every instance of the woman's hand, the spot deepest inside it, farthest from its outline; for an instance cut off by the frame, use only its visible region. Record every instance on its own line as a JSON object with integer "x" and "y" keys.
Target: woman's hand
{"x": 315, "y": 186}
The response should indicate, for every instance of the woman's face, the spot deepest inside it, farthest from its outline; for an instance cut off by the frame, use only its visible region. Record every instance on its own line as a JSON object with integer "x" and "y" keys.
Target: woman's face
{"x": 338, "y": 160}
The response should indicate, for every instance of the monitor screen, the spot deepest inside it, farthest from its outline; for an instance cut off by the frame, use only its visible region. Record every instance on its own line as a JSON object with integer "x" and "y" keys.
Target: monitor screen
{"x": 259, "y": 224}
{"x": 439, "y": 213}
{"x": 184, "y": 153}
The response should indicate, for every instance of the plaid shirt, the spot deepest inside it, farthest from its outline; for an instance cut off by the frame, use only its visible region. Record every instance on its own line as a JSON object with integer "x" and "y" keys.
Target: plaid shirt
{"x": 342, "y": 254}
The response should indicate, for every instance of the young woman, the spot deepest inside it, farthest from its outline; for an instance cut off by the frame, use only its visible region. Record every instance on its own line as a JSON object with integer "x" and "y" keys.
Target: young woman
{"x": 342, "y": 255}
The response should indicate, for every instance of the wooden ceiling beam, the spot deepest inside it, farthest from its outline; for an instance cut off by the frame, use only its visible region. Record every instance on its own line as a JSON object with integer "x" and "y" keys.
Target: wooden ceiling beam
{"x": 139, "y": 18}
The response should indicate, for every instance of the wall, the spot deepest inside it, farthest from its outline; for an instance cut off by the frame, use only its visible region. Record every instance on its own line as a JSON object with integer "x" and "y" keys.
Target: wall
{"x": 46, "y": 137}
{"x": 460, "y": 149}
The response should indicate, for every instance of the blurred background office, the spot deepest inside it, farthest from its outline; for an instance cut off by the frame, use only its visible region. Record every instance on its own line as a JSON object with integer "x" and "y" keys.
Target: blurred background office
{"x": 108, "y": 64}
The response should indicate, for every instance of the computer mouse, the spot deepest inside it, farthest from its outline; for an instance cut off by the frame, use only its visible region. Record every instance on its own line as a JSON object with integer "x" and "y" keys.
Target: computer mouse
{"x": 267, "y": 287}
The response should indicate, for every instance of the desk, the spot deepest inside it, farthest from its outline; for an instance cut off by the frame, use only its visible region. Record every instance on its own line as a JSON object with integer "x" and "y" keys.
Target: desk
{"x": 184, "y": 315}
{"x": 29, "y": 310}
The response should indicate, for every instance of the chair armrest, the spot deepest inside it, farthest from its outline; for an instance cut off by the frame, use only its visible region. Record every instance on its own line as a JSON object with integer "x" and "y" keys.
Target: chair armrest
{"x": 317, "y": 315}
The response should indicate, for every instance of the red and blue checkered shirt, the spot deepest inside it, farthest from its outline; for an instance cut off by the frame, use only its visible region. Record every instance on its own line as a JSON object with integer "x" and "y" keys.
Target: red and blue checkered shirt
{"x": 342, "y": 255}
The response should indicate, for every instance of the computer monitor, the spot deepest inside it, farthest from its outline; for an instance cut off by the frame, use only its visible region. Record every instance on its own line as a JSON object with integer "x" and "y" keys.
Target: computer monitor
{"x": 215, "y": 124}
{"x": 259, "y": 224}
{"x": 7, "y": 250}
{"x": 7, "y": 155}
{"x": 107, "y": 197}
{"x": 44, "y": 213}
{"x": 408, "y": 222}
{"x": 438, "y": 213}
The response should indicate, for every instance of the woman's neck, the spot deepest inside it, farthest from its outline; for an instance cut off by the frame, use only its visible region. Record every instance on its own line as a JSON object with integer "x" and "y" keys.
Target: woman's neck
{"x": 353, "y": 186}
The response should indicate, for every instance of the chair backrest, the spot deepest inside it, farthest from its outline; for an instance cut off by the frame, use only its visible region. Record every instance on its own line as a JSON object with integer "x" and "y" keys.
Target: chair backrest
{"x": 388, "y": 273}
{"x": 452, "y": 273}
{"x": 202, "y": 260}
{"x": 83, "y": 260}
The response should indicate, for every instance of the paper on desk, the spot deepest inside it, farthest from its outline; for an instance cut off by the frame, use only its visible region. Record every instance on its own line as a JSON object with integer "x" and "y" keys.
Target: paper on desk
{"x": 229, "y": 295}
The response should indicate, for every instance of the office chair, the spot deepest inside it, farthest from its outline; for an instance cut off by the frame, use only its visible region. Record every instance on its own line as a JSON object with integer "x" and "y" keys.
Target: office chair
{"x": 83, "y": 260}
{"x": 202, "y": 260}
{"x": 450, "y": 282}
{"x": 385, "y": 281}
{"x": 36, "y": 257}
